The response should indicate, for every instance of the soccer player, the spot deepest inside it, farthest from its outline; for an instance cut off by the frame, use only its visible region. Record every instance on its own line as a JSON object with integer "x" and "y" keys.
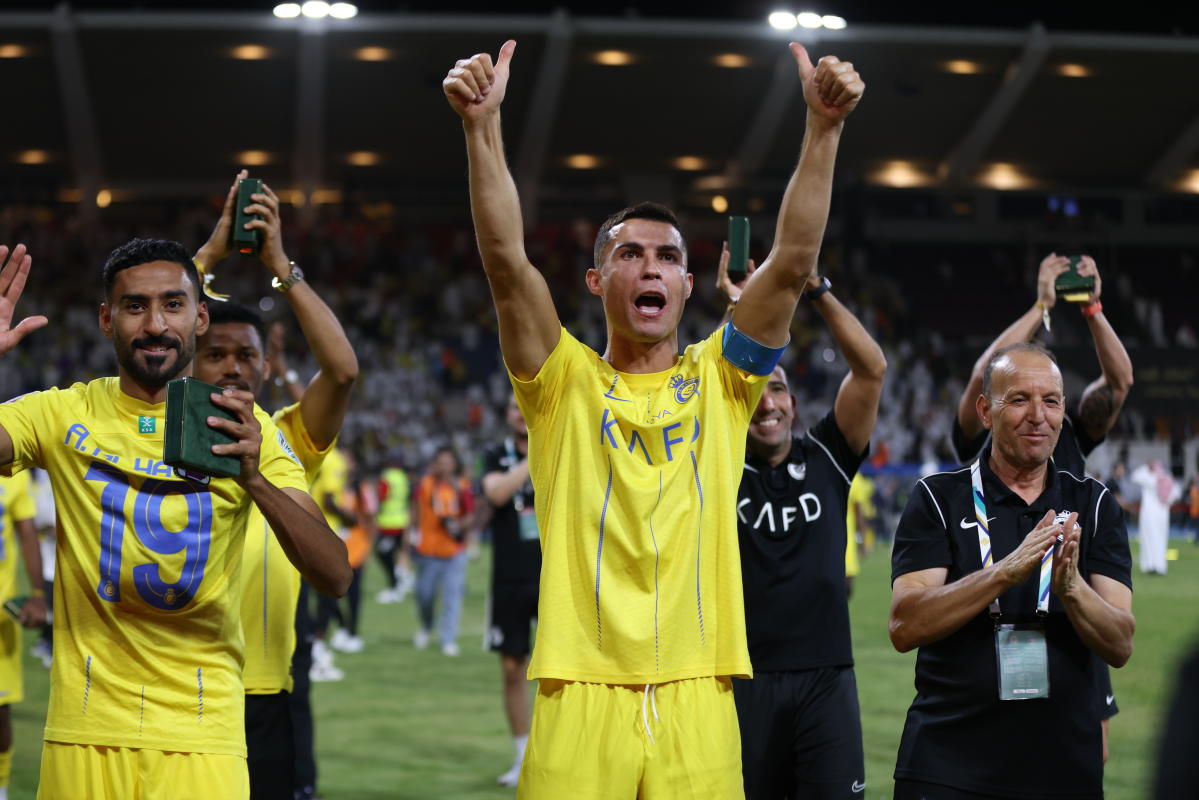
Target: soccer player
{"x": 18, "y": 538}
{"x": 801, "y": 728}
{"x": 146, "y": 690}
{"x": 635, "y": 457}
{"x": 395, "y": 498}
{"x": 1082, "y": 430}
{"x": 515, "y": 572}
{"x": 232, "y": 354}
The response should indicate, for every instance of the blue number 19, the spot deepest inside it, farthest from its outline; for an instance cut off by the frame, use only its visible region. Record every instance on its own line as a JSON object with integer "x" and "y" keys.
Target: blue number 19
{"x": 148, "y": 526}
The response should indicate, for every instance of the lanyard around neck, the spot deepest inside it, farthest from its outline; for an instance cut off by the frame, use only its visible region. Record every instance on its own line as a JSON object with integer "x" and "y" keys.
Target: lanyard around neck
{"x": 984, "y": 545}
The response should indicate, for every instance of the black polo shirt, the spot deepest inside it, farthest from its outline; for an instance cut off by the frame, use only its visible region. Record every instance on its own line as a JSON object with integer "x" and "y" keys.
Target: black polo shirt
{"x": 958, "y": 733}
{"x": 513, "y": 558}
{"x": 791, "y": 526}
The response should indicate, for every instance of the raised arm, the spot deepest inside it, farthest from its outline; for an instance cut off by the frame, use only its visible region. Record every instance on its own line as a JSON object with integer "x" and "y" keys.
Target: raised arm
{"x": 1022, "y": 330}
{"x": 1104, "y": 397}
{"x": 856, "y": 407}
{"x": 325, "y": 400}
{"x": 832, "y": 90}
{"x": 529, "y": 326}
{"x": 14, "y": 271}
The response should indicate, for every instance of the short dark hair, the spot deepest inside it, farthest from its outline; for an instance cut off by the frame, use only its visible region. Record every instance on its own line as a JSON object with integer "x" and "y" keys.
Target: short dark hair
{"x": 1018, "y": 347}
{"x": 231, "y": 311}
{"x": 647, "y": 210}
{"x": 143, "y": 251}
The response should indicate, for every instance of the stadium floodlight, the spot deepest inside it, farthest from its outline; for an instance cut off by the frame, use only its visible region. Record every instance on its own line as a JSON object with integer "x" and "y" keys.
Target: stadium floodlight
{"x": 833, "y": 22}
{"x": 343, "y": 10}
{"x": 315, "y": 9}
{"x": 809, "y": 20}
{"x": 287, "y": 10}
{"x": 782, "y": 20}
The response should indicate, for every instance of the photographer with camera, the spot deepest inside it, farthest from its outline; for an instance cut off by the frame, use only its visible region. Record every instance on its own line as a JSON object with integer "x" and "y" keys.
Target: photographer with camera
{"x": 445, "y": 506}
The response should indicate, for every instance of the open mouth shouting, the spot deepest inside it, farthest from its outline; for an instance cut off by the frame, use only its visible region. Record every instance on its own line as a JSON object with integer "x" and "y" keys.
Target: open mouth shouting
{"x": 650, "y": 303}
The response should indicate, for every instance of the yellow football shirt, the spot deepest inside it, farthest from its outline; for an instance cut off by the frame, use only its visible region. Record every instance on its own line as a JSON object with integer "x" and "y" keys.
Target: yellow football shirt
{"x": 636, "y": 479}
{"x": 332, "y": 479}
{"x": 16, "y": 503}
{"x": 147, "y": 633}
{"x": 270, "y": 584}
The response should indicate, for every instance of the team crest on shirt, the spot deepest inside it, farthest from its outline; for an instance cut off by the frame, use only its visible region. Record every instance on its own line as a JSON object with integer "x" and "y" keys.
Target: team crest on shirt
{"x": 286, "y": 446}
{"x": 684, "y": 389}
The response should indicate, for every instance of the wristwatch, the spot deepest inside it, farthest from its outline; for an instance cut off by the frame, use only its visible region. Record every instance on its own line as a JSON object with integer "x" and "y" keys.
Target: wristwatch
{"x": 812, "y": 294}
{"x": 295, "y": 276}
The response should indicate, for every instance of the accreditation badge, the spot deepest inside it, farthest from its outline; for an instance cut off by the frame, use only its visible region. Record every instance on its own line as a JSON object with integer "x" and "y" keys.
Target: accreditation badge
{"x": 1023, "y": 659}
{"x": 528, "y": 525}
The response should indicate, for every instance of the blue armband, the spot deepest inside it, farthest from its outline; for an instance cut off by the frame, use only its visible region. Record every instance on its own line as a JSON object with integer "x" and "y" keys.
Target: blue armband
{"x": 744, "y": 353}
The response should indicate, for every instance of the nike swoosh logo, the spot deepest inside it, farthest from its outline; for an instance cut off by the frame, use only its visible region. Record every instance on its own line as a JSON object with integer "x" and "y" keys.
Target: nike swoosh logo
{"x": 857, "y": 787}
{"x": 1111, "y": 698}
{"x": 974, "y": 524}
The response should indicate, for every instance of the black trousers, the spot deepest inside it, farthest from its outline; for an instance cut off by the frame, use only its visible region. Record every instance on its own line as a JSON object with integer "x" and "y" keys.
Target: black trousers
{"x": 270, "y": 746}
{"x": 304, "y": 769}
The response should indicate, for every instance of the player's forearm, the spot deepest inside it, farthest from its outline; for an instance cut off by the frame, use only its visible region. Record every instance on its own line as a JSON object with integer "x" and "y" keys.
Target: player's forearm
{"x": 1104, "y": 628}
{"x": 31, "y": 553}
{"x": 310, "y": 545}
{"x": 804, "y": 211}
{"x": 862, "y": 353}
{"x": 495, "y": 204}
{"x": 324, "y": 335}
{"x": 500, "y": 487}
{"x": 1113, "y": 358}
{"x": 924, "y": 615}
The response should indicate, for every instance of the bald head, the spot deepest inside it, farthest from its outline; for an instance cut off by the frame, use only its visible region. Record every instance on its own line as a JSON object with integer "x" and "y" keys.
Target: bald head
{"x": 1005, "y": 360}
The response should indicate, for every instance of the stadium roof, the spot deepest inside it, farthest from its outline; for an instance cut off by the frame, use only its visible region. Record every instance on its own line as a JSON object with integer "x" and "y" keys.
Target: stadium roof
{"x": 167, "y": 103}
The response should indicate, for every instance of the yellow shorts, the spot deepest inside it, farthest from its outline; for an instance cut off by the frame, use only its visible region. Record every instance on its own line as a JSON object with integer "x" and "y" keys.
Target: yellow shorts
{"x": 12, "y": 689}
{"x": 74, "y": 771}
{"x": 594, "y": 741}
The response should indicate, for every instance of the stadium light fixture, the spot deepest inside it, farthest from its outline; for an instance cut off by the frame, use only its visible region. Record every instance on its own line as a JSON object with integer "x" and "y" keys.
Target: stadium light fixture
{"x": 960, "y": 66}
{"x": 809, "y": 20}
{"x": 315, "y": 9}
{"x": 613, "y": 58}
{"x": 373, "y": 53}
{"x": 1189, "y": 181}
{"x": 900, "y": 174}
{"x": 13, "y": 51}
{"x": 253, "y": 158}
{"x": 730, "y": 60}
{"x": 833, "y": 22}
{"x": 33, "y": 157}
{"x": 287, "y": 10}
{"x": 582, "y": 161}
{"x": 103, "y": 198}
{"x": 720, "y": 203}
{"x": 782, "y": 20}
{"x": 689, "y": 163}
{"x": 362, "y": 158}
{"x": 1005, "y": 177}
{"x": 343, "y": 11}
{"x": 250, "y": 52}
{"x": 1073, "y": 70}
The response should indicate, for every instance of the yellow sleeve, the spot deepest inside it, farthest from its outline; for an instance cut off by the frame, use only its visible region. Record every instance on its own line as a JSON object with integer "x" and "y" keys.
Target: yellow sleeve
{"x": 740, "y": 387}
{"x": 22, "y": 418}
{"x": 538, "y": 399}
{"x": 277, "y": 461}
{"x": 290, "y": 421}
{"x": 21, "y": 503}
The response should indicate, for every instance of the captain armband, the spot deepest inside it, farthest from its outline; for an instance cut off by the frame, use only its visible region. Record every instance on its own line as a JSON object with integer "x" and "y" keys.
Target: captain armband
{"x": 744, "y": 353}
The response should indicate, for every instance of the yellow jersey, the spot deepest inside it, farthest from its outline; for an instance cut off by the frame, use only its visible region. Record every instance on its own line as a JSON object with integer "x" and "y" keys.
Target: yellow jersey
{"x": 147, "y": 635}
{"x": 16, "y": 504}
{"x": 331, "y": 480}
{"x": 636, "y": 479}
{"x": 270, "y": 584}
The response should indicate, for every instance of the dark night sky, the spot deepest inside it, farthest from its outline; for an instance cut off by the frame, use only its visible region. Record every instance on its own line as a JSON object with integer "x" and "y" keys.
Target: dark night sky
{"x": 1161, "y": 18}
